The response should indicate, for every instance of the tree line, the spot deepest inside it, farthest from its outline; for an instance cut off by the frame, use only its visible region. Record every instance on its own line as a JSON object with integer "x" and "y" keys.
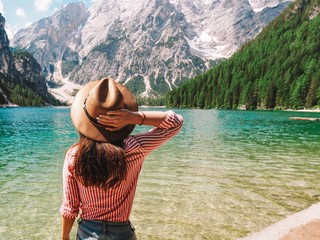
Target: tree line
{"x": 20, "y": 95}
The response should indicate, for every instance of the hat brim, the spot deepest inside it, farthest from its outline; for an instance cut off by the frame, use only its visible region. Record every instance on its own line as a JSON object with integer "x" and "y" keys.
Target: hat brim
{"x": 83, "y": 124}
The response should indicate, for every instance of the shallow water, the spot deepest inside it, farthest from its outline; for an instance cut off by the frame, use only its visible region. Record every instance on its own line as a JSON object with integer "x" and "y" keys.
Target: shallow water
{"x": 226, "y": 175}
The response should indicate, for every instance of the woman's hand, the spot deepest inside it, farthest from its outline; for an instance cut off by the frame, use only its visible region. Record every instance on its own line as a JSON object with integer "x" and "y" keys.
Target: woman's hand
{"x": 115, "y": 120}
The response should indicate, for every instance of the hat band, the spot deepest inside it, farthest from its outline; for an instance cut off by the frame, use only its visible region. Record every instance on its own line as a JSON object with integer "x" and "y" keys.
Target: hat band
{"x": 92, "y": 119}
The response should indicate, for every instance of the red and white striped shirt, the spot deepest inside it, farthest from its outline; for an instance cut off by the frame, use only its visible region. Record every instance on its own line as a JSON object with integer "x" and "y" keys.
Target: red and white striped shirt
{"x": 115, "y": 203}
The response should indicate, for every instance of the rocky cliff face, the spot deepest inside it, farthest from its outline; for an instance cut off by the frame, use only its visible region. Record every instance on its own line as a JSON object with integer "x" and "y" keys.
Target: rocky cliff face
{"x": 5, "y": 59}
{"x": 19, "y": 69}
{"x": 5, "y": 53}
{"x": 54, "y": 41}
{"x": 29, "y": 72}
{"x": 146, "y": 49}
{"x": 149, "y": 45}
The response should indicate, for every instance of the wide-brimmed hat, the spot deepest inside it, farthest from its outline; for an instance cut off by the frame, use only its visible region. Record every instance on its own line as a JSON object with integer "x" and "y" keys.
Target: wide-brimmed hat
{"x": 98, "y": 97}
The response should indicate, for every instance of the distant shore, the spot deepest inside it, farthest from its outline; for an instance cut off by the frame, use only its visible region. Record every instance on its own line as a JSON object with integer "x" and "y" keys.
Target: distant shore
{"x": 8, "y": 105}
{"x": 304, "y": 110}
{"x": 147, "y": 106}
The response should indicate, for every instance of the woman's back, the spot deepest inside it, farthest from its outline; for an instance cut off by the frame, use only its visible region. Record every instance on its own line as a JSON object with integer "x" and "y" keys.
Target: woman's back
{"x": 87, "y": 170}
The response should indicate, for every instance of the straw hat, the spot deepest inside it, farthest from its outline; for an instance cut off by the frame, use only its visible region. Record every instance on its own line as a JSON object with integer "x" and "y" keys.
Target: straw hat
{"x": 98, "y": 97}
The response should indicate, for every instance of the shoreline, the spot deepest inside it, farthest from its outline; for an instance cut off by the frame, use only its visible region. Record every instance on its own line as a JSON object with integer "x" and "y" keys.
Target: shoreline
{"x": 303, "y": 225}
{"x": 317, "y": 110}
{"x": 8, "y": 105}
{"x": 303, "y": 110}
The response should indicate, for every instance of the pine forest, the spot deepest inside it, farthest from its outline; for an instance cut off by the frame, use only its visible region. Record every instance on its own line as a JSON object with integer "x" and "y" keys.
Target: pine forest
{"x": 279, "y": 69}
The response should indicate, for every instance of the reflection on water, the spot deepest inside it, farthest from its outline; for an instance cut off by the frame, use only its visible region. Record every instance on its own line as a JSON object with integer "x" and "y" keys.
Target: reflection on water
{"x": 227, "y": 174}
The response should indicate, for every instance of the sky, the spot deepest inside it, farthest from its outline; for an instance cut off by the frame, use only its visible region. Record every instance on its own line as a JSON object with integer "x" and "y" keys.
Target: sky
{"x": 21, "y": 13}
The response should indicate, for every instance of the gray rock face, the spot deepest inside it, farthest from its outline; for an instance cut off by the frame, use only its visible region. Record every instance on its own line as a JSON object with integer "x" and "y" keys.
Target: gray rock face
{"x": 29, "y": 72}
{"x": 18, "y": 68}
{"x": 149, "y": 45}
{"x": 5, "y": 53}
{"x": 148, "y": 51}
{"x": 54, "y": 41}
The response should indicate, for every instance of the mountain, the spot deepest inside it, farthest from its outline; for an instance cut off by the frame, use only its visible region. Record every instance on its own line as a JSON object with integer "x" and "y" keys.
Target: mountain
{"x": 53, "y": 40}
{"x": 151, "y": 46}
{"x": 279, "y": 69}
{"x": 21, "y": 80}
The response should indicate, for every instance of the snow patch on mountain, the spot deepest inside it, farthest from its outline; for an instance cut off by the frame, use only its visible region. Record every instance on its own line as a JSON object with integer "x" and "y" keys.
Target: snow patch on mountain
{"x": 259, "y": 5}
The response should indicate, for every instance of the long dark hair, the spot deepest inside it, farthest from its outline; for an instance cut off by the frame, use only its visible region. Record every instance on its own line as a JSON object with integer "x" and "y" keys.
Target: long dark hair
{"x": 100, "y": 164}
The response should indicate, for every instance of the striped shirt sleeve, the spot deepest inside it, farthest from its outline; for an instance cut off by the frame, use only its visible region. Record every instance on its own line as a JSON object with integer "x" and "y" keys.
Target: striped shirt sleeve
{"x": 71, "y": 199}
{"x": 157, "y": 136}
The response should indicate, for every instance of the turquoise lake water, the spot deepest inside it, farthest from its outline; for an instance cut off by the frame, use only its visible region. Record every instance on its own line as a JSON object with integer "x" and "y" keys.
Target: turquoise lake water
{"x": 226, "y": 175}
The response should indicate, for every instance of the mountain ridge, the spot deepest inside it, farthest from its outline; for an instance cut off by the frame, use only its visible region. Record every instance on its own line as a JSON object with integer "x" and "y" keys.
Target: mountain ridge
{"x": 151, "y": 46}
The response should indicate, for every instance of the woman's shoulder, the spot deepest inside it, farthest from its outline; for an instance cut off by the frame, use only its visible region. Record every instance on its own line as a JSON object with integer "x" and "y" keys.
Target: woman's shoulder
{"x": 73, "y": 149}
{"x": 71, "y": 153}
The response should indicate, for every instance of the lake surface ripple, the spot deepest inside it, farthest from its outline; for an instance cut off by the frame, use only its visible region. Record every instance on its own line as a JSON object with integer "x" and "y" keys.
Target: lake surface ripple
{"x": 226, "y": 175}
